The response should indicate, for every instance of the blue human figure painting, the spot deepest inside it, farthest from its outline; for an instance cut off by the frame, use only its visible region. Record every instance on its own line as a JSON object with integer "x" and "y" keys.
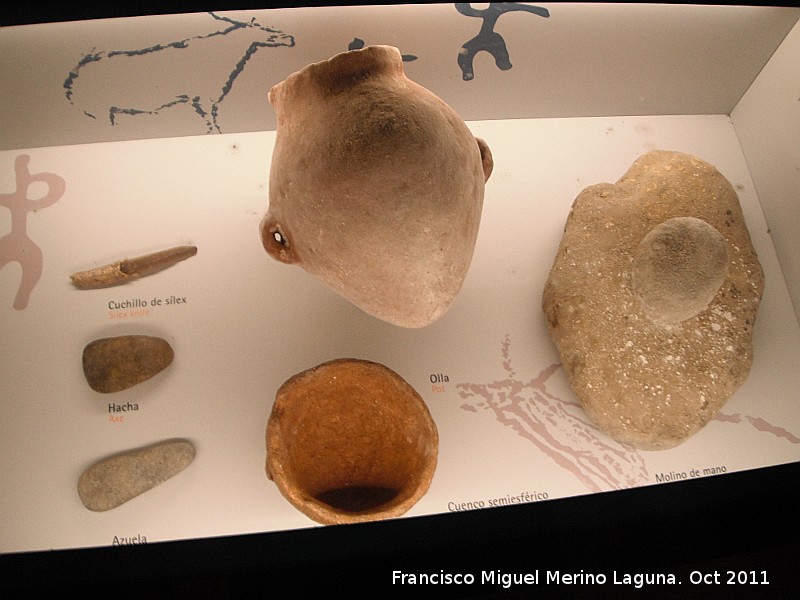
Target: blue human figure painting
{"x": 488, "y": 40}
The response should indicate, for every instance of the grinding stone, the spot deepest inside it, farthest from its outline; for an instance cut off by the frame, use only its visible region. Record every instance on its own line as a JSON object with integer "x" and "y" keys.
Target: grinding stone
{"x": 655, "y": 334}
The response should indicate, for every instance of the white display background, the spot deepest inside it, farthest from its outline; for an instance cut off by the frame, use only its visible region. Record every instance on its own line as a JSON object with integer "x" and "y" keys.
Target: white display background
{"x": 250, "y": 322}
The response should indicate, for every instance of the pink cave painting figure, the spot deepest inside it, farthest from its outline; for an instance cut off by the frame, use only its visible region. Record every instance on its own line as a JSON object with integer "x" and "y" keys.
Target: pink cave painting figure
{"x": 16, "y": 246}
{"x": 557, "y": 427}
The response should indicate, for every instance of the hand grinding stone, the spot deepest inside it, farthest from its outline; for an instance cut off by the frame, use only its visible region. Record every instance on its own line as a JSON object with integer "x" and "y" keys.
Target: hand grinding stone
{"x": 652, "y": 299}
{"x": 678, "y": 268}
{"x": 117, "y": 479}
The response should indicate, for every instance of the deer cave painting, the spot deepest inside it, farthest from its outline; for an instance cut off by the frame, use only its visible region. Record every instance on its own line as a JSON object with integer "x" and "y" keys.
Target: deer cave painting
{"x": 488, "y": 40}
{"x": 16, "y": 246}
{"x": 561, "y": 430}
{"x": 557, "y": 427}
{"x": 188, "y": 72}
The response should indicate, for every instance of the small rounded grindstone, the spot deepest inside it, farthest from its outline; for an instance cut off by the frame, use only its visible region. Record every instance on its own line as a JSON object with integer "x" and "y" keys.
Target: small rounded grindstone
{"x": 678, "y": 268}
{"x": 119, "y": 478}
{"x": 652, "y": 299}
{"x": 117, "y": 363}
{"x": 350, "y": 441}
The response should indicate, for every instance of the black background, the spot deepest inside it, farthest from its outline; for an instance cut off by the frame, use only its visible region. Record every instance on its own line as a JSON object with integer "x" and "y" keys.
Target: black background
{"x": 738, "y": 521}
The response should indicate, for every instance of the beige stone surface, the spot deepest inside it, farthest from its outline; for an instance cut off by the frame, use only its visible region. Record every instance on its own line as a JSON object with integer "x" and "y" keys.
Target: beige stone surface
{"x": 119, "y": 478}
{"x": 652, "y": 299}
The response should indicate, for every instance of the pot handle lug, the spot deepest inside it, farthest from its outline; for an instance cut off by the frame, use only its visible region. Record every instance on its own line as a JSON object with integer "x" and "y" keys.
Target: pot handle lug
{"x": 486, "y": 158}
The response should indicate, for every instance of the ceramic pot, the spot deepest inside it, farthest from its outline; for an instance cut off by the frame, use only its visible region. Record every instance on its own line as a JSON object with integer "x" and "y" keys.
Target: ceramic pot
{"x": 350, "y": 441}
{"x": 376, "y": 186}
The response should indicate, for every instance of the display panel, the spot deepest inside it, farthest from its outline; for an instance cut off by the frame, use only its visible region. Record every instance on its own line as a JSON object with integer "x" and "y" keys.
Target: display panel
{"x": 240, "y": 324}
{"x": 94, "y": 185}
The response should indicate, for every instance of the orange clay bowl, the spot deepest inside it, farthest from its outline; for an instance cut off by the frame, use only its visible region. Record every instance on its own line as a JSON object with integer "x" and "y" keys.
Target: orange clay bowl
{"x": 350, "y": 441}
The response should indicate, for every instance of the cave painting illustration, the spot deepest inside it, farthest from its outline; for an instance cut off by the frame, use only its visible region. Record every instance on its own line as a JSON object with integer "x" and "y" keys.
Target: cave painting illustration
{"x": 112, "y": 83}
{"x": 16, "y": 246}
{"x": 488, "y": 40}
{"x": 560, "y": 429}
{"x": 557, "y": 427}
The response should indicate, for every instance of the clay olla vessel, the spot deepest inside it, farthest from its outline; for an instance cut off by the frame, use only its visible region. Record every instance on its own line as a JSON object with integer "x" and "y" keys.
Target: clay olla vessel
{"x": 376, "y": 186}
{"x": 350, "y": 441}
